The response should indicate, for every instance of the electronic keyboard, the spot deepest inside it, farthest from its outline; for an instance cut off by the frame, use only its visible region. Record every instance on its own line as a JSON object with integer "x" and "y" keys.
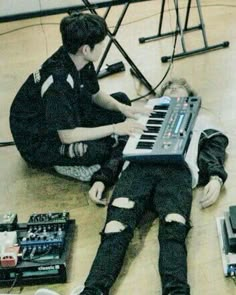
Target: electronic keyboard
{"x": 169, "y": 130}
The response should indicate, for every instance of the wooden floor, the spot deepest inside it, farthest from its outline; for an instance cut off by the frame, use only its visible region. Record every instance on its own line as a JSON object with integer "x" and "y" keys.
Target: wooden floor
{"x": 24, "y": 190}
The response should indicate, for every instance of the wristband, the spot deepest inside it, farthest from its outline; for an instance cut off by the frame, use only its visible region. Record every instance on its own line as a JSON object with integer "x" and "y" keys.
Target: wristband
{"x": 216, "y": 177}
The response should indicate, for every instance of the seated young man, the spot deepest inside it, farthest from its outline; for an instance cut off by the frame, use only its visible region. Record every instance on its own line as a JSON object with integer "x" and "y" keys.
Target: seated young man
{"x": 167, "y": 187}
{"x": 60, "y": 117}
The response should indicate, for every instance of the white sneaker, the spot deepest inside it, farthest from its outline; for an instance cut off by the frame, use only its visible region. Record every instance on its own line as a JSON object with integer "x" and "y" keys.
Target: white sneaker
{"x": 45, "y": 292}
{"x": 77, "y": 290}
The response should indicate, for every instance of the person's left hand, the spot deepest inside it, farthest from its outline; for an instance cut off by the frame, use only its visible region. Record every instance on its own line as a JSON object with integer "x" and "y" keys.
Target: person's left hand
{"x": 96, "y": 193}
{"x": 211, "y": 193}
{"x": 133, "y": 111}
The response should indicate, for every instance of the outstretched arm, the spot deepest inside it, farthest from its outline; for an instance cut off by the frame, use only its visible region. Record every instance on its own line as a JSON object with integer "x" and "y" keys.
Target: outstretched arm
{"x": 106, "y": 101}
{"x": 107, "y": 175}
{"x": 211, "y": 159}
{"x": 211, "y": 191}
{"x": 96, "y": 193}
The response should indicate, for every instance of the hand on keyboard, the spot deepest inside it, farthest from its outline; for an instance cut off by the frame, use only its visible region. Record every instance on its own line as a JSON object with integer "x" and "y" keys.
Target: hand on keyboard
{"x": 133, "y": 111}
{"x": 129, "y": 127}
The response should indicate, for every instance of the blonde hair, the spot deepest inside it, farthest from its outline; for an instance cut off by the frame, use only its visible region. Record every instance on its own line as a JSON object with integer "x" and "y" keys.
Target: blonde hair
{"x": 178, "y": 81}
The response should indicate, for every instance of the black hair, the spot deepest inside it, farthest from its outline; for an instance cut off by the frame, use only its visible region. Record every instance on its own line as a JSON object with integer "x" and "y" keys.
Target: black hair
{"x": 178, "y": 81}
{"x": 79, "y": 29}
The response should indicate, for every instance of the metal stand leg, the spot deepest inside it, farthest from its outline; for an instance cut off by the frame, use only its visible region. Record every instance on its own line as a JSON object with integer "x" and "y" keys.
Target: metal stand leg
{"x": 113, "y": 40}
{"x": 167, "y": 34}
{"x": 181, "y": 31}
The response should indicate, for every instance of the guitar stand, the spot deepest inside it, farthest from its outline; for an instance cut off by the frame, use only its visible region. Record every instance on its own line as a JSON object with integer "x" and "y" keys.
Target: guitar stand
{"x": 113, "y": 40}
{"x": 181, "y": 31}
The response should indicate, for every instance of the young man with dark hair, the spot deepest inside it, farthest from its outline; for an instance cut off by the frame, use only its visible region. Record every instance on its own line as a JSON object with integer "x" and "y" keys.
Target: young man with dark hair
{"x": 167, "y": 189}
{"x": 60, "y": 118}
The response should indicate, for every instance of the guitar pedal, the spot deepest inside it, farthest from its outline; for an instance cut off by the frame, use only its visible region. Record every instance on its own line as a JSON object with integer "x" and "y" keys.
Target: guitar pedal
{"x": 8, "y": 222}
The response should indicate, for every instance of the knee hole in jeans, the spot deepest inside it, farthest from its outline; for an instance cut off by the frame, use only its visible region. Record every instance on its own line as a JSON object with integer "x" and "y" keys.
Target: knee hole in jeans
{"x": 114, "y": 227}
{"x": 124, "y": 203}
{"x": 175, "y": 217}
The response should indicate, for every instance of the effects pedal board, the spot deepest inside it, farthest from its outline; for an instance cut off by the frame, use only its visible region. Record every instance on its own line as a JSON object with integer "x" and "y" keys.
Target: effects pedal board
{"x": 36, "y": 250}
{"x": 226, "y": 227}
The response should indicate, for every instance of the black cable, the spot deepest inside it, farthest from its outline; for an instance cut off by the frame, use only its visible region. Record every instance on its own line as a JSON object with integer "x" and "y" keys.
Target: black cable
{"x": 6, "y": 143}
{"x": 171, "y": 60}
{"x": 26, "y": 27}
{"x": 159, "y": 83}
{"x": 14, "y": 283}
{"x": 38, "y": 256}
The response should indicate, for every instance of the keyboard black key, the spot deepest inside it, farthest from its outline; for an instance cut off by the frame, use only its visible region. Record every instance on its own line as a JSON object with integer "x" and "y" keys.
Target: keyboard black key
{"x": 160, "y": 114}
{"x": 154, "y": 122}
{"x": 148, "y": 137}
{"x": 152, "y": 129}
{"x": 161, "y": 107}
{"x": 145, "y": 145}
{"x": 155, "y": 116}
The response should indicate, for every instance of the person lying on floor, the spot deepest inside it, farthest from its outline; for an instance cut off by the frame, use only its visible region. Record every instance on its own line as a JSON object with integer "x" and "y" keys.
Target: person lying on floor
{"x": 167, "y": 188}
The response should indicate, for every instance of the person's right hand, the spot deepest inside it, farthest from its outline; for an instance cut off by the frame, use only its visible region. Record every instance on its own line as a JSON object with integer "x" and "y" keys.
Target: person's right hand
{"x": 211, "y": 193}
{"x": 129, "y": 127}
{"x": 96, "y": 193}
{"x": 133, "y": 111}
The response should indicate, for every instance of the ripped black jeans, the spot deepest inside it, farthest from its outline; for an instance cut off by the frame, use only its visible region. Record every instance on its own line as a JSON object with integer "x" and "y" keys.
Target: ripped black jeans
{"x": 167, "y": 187}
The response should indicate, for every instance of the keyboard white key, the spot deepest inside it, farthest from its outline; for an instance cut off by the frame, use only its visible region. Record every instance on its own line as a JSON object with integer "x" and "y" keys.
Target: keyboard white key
{"x": 143, "y": 143}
